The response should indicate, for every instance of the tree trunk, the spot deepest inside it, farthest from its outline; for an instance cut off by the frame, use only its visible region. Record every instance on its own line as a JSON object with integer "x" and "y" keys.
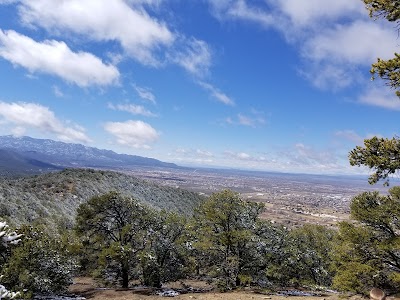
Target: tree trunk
{"x": 125, "y": 277}
{"x": 237, "y": 281}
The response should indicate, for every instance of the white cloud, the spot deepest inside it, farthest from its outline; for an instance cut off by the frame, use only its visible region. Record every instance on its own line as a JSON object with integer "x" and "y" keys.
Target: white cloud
{"x": 204, "y": 153}
{"x": 139, "y": 34}
{"x": 311, "y": 12}
{"x": 254, "y": 120}
{"x": 26, "y": 116}
{"x": 135, "y": 134}
{"x": 333, "y": 55}
{"x": 181, "y": 151}
{"x": 334, "y": 38}
{"x": 216, "y": 93}
{"x": 126, "y": 22}
{"x": 330, "y": 76}
{"x": 239, "y": 9}
{"x": 380, "y": 97}
{"x": 191, "y": 156}
{"x": 350, "y": 135}
{"x": 18, "y": 131}
{"x": 243, "y": 120}
{"x": 56, "y": 58}
{"x": 133, "y": 109}
{"x": 305, "y": 155}
{"x": 145, "y": 94}
{"x": 238, "y": 155}
{"x": 194, "y": 56}
{"x": 360, "y": 42}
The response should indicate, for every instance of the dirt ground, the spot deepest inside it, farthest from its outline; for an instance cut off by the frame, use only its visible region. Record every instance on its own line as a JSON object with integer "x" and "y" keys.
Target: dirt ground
{"x": 86, "y": 287}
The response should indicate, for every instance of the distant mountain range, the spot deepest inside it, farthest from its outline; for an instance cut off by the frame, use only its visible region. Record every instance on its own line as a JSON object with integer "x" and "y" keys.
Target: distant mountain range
{"x": 26, "y": 155}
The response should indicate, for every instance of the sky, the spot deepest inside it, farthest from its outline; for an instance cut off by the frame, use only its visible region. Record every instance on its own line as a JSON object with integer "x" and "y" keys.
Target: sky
{"x": 271, "y": 85}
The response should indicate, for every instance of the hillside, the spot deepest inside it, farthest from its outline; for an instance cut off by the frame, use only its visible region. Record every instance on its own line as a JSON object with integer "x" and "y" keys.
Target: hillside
{"x": 74, "y": 155}
{"x": 57, "y": 195}
{"x": 12, "y": 163}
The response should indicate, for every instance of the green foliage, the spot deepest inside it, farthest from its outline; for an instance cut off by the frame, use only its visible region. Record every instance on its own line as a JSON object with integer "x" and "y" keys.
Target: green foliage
{"x": 354, "y": 259}
{"x": 388, "y": 9}
{"x": 38, "y": 264}
{"x": 309, "y": 250}
{"x": 165, "y": 259}
{"x": 127, "y": 240}
{"x": 372, "y": 247}
{"x": 381, "y": 216}
{"x": 274, "y": 257}
{"x": 225, "y": 236}
{"x": 379, "y": 213}
{"x": 388, "y": 70}
{"x": 117, "y": 228}
{"x": 354, "y": 277}
{"x": 379, "y": 154}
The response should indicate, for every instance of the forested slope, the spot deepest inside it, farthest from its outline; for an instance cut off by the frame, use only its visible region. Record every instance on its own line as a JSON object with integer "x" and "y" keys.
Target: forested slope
{"x": 55, "y": 196}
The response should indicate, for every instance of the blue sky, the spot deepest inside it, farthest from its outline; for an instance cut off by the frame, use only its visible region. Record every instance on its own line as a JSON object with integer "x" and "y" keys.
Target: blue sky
{"x": 274, "y": 85}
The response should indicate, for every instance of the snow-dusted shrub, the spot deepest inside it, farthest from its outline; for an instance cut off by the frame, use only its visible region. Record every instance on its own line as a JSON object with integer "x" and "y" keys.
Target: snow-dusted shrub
{"x": 38, "y": 264}
{"x": 7, "y": 237}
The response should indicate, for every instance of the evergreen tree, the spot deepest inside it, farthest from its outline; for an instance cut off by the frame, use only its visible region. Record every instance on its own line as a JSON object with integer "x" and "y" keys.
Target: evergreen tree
{"x": 225, "y": 237}
{"x": 379, "y": 154}
{"x": 117, "y": 229}
{"x": 370, "y": 249}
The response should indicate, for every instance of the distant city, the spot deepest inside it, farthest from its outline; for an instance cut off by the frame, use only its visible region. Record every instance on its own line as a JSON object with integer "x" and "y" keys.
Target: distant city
{"x": 290, "y": 199}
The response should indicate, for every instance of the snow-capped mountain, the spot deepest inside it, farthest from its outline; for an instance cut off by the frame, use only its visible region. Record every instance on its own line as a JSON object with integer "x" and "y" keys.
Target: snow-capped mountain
{"x": 73, "y": 155}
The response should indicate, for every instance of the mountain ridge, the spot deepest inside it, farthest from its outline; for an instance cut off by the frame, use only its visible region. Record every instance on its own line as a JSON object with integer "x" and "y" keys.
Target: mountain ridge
{"x": 61, "y": 154}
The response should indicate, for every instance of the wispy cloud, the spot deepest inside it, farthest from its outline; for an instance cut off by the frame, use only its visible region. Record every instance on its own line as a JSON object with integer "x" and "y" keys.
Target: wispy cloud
{"x": 240, "y": 10}
{"x": 25, "y": 116}
{"x": 134, "y": 134}
{"x": 216, "y": 93}
{"x": 56, "y": 58}
{"x": 192, "y": 156}
{"x": 204, "y": 153}
{"x": 193, "y": 55}
{"x": 132, "y": 108}
{"x": 350, "y": 135}
{"x": 380, "y": 97}
{"x": 254, "y": 119}
{"x": 238, "y": 155}
{"x": 308, "y": 155}
{"x": 57, "y": 92}
{"x": 145, "y": 93}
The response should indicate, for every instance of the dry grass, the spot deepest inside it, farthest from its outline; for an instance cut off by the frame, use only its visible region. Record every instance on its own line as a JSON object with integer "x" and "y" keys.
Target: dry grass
{"x": 86, "y": 287}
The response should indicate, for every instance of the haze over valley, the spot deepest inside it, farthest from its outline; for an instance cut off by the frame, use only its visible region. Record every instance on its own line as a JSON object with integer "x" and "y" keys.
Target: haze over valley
{"x": 290, "y": 199}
